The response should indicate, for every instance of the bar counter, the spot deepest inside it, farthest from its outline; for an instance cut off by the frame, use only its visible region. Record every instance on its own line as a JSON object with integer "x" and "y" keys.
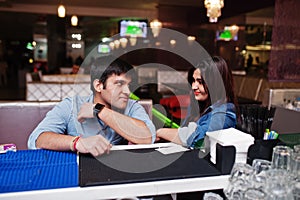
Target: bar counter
{"x": 63, "y": 182}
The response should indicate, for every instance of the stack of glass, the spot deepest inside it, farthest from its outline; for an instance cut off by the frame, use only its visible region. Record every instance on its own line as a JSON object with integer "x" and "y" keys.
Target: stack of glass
{"x": 267, "y": 180}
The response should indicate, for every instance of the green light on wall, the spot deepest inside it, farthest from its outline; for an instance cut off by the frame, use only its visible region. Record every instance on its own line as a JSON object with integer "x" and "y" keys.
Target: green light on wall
{"x": 226, "y": 35}
{"x": 29, "y": 46}
{"x": 134, "y": 30}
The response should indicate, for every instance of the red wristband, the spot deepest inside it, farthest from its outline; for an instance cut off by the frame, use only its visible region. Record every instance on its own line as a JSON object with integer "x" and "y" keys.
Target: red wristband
{"x": 75, "y": 142}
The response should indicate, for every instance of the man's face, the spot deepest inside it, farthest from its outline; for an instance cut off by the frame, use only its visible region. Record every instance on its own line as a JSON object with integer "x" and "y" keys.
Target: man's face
{"x": 116, "y": 92}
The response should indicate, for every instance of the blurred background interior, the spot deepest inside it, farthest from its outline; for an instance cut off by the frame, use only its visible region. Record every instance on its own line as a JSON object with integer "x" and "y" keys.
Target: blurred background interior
{"x": 259, "y": 39}
{"x": 42, "y": 56}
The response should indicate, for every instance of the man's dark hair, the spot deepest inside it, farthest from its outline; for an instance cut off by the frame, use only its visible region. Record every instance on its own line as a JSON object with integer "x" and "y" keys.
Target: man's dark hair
{"x": 106, "y": 66}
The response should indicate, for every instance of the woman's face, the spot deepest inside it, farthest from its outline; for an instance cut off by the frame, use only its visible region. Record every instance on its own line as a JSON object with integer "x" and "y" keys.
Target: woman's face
{"x": 198, "y": 87}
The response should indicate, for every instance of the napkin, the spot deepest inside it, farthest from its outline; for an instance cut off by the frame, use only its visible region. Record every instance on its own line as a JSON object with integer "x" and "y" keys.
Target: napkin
{"x": 227, "y": 137}
{"x": 172, "y": 149}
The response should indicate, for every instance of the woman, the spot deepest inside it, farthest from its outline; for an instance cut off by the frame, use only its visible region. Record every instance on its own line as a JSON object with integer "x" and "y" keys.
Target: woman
{"x": 213, "y": 104}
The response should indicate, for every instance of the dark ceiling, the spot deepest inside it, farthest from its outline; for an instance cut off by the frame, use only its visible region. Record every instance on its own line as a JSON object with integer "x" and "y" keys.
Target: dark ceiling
{"x": 17, "y": 17}
{"x": 231, "y": 6}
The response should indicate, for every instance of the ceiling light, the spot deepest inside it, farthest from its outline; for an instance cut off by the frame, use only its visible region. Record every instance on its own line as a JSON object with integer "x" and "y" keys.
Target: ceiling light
{"x": 74, "y": 20}
{"x": 155, "y": 26}
{"x": 123, "y": 42}
{"x": 191, "y": 38}
{"x": 213, "y": 9}
{"x": 132, "y": 41}
{"x": 117, "y": 44}
{"x": 61, "y": 11}
{"x": 112, "y": 45}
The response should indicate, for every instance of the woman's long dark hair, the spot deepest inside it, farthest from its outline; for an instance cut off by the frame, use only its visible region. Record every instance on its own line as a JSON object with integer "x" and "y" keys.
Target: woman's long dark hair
{"x": 218, "y": 83}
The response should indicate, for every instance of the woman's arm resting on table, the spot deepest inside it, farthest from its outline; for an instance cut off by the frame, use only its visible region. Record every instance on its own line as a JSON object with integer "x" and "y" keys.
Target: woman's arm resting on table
{"x": 169, "y": 134}
{"x": 178, "y": 136}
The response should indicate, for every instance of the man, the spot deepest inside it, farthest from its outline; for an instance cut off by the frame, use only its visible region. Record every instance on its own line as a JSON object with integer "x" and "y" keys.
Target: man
{"x": 93, "y": 124}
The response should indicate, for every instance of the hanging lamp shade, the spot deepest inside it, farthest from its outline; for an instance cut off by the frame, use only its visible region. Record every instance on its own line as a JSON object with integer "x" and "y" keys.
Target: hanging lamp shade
{"x": 155, "y": 26}
{"x": 74, "y": 20}
{"x": 61, "y": 11}
{"x": 213, "y": 9}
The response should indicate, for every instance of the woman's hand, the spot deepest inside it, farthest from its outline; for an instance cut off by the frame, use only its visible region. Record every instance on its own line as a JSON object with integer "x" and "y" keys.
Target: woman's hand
{"x": 159, "y": 134}
{"x": 86, "y": 111}
{"x": 95, "y": 145}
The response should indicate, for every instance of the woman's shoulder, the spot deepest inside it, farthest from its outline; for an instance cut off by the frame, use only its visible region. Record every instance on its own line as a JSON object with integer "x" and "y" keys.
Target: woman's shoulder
{"x": 223, "y": 107}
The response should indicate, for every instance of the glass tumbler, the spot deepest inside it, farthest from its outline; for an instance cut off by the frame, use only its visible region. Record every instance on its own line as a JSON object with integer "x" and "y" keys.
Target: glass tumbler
{"x": 261, "y": 165}
{"x": 281, "y": 158}
{"x": 297, "y": 148}
{"x": 295, "y": 165}
{"x": 255, "y": 194}
{"x": 277, "y": 185}
{"x": 259, "y": 177}
{"x": 296, "y": 189}
{"x": 239, "y": 181}
{"x": 241, "y": 171}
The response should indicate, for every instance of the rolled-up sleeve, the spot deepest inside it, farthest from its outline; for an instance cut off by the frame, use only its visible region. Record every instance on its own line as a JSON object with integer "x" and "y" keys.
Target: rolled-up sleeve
{"x": 185, "y": 132}
{"x": 138, "y": 112}
{"x": 56, "y": 121}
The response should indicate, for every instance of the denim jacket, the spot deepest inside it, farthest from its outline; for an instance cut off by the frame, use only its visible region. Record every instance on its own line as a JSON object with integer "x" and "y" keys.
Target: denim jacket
{"x": 216, "y": 117}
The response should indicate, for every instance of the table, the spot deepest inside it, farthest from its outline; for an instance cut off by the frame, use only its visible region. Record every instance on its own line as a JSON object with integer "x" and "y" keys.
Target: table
{"x": 124, "y": 190}
{"x": 150, "y": 188}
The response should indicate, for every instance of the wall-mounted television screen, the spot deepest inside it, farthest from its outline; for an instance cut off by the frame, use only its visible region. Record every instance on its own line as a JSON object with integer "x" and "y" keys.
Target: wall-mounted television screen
{"x": 228, "y": 33}
{"x": 103, "y": 48}
{"x": 133, "y": 28}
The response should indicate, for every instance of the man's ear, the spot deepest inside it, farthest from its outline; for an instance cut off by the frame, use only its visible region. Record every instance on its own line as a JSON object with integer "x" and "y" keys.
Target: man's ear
{"x": 98, "y": 86}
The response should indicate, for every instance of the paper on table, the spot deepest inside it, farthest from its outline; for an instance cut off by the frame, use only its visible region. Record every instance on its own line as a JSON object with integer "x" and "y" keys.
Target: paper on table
{"x": 172, "y": 149}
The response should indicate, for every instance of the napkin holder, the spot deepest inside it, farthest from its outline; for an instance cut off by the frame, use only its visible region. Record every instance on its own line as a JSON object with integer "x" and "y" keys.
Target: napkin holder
{"x": 225, "y": 158}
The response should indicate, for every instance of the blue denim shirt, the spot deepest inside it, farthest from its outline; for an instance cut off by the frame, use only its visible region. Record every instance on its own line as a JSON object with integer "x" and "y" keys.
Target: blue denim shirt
{"x": 63, "y": 119}
{"x": 217, "y": 116}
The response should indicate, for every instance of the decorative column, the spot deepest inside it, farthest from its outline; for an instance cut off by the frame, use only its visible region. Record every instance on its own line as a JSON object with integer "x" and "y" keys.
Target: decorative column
{"x": 56, "y": 35}
{"x": 285, "y": 51}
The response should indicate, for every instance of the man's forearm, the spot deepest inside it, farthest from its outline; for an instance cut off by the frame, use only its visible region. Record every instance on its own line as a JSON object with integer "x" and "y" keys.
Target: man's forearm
{"x": 54, "y": 141}
{"x": 133, "y": 130}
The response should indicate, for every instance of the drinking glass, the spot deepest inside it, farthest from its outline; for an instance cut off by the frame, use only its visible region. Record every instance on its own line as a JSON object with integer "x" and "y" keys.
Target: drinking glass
{"x": 281, "y": 157}
{"x": 295, "y": 165}
{"x": 236, "y": 189}
{"x": 255, "y": 194}
{"x": 241, "y": 171}
{"x": 297, "y": 148}
{"x": 261, "y": 165}
{"x": 239, "y": 181}
{"x": 277, "y": 187}
{"x": 259, "y": 178}
{"x": 296, "y": 189}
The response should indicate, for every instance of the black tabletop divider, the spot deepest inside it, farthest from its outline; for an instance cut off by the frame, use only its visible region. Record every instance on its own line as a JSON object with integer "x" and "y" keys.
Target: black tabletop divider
{"x": 190, "y": 164}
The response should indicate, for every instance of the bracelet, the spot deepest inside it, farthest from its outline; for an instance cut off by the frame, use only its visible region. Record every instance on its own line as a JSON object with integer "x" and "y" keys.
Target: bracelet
{"x": 73, "y": 143}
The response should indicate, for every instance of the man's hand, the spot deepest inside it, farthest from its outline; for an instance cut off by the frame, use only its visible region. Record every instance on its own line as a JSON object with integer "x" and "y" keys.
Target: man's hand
{"x": 95, "y": 145}
{"x": 86, "y": 111}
